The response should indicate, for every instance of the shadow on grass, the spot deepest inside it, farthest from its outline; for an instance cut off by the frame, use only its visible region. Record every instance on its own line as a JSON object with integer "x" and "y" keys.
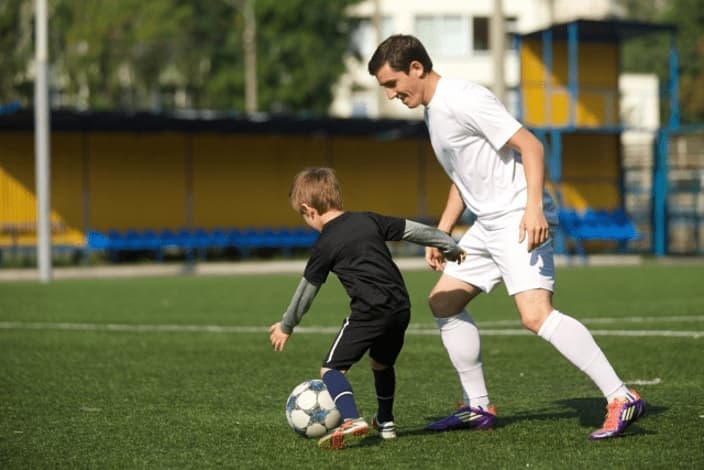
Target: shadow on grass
{"x": 589, "y": 411}
{"x": 592, "y": 411}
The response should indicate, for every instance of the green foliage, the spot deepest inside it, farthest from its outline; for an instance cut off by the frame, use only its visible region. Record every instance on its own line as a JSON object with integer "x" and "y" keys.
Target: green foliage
{"x": 199, "y": 399}
{"x": 649, "y": 54}
{"x": 16, "y": 43}
{"x": 163, "y": 54}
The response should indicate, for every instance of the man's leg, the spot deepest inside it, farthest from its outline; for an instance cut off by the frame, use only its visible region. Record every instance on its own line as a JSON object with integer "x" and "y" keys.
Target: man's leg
{"x": 574, "y": 341}
{"x": 460, "y": 336}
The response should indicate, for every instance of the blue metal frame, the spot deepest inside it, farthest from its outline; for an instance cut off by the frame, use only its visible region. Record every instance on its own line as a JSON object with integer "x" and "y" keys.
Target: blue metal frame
{"x": 662, "y": 165}
{"x": 573, "y": 71}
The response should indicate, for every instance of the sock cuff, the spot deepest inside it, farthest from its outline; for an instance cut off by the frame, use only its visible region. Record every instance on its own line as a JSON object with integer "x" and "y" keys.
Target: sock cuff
{"x": 550, "y": 325}
{"x": 449, "y": 323}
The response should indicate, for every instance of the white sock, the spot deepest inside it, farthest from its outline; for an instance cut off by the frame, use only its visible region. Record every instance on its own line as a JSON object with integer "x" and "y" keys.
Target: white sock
{"x": 460, "y": 336}
{"x": 574, "y": 341}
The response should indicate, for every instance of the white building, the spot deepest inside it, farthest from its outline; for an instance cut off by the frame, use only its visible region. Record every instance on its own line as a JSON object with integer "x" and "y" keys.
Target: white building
{"x": 457, "y": 36}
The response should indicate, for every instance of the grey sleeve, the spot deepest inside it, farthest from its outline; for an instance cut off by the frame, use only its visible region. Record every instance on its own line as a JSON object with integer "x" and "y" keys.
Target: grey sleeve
{"x": 300, "y": 303}
{"x": 430, "y": 236}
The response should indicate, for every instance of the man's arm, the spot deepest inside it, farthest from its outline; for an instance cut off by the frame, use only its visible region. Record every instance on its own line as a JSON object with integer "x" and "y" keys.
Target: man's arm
{"x": 454, "y": 207}
{"x": 533, "y": 225}
{"x": 450, "y": 215}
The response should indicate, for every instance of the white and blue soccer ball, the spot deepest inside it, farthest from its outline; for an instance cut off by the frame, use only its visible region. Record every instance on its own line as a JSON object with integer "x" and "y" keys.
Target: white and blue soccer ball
{"x": 310, "y": 410}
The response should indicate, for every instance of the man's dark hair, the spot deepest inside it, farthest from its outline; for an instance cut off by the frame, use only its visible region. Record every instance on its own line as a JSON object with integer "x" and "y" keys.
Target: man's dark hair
{"x": 399, "y": 51}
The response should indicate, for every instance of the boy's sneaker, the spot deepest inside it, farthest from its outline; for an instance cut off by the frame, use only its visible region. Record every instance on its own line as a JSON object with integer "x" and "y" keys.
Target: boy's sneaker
{"x": 466, "y": 417}
{"x": 619, "y": 415}
{"x": 387, "y": 429}
{"x": 350, "y": 430}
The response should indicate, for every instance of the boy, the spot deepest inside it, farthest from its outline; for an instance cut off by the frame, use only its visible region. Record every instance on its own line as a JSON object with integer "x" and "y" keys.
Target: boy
{"x": 474, "y": 139}
{"x": 353, "y": 246}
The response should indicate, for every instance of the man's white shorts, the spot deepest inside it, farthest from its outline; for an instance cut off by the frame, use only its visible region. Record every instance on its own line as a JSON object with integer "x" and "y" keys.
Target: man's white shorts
{"x": 496, "y": 255}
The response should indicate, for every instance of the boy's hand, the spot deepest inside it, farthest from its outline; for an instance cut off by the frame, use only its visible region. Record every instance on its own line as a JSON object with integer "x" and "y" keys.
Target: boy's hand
{"x": 434, "y": 258}
{"x": 277, "y": 337}
{"x": 458, "y": 255}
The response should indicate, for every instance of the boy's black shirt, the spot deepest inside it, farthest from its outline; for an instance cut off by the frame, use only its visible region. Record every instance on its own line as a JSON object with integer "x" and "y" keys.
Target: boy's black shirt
{"x": 353, "y": 246}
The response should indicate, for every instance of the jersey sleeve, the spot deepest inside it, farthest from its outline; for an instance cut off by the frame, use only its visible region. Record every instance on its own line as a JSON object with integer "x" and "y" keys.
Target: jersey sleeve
{"x": 391, "y": 228}
{"x": 481, "y": 112}
{"x": 299, "y": 305}
{"x": 318, "y": 267}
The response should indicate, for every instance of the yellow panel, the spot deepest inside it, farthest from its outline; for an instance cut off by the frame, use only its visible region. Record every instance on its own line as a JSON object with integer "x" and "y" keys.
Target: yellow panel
{"x": 560, "y": 66}
{"x": 244, "y": 181}
{"x": 591, "y": 170}
{"x": 379, "y": 176}
{"x": 560, "y": 113}
{"x": 18, "y": 196}
{"x": 17, "y": 200}
{"x": 67, "y": 175}
{"x": 545, "y": 94}
{"x": 598, "y": 65}
{"x": 532, "y": 67}
{"x": 137, "y": 180}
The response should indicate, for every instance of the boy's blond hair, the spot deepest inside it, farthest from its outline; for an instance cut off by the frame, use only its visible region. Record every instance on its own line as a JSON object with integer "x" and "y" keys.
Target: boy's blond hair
{"x": 317, "y": 187}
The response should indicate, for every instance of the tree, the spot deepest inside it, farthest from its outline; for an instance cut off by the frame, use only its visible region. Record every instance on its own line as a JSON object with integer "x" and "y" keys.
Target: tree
{"x": 16, "y": 43}
{"x": 300, "y": 49}
{"x": 163, "y": 54}
{"x": 650, "y": 54}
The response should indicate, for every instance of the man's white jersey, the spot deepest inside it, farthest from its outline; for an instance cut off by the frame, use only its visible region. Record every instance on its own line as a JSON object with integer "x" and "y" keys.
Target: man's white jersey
{"x": 468, "y": 129}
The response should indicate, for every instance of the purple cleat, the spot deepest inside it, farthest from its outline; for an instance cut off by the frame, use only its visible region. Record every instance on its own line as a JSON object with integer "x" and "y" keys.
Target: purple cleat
{"x": 619, "y": 415}
{"x": 466, "y": 417}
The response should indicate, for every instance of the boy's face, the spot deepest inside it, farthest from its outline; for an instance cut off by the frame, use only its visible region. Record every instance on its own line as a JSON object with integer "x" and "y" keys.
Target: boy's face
{"x": 407, "y": 87}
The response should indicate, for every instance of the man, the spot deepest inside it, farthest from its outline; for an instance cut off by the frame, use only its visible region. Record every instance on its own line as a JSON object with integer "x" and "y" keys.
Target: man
{"x": 497, "y": 172}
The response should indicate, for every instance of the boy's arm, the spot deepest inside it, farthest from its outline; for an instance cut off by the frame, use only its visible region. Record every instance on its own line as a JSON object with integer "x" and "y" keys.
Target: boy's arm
{"x": 299, "y": 305}
{"x": 430, "y": 236}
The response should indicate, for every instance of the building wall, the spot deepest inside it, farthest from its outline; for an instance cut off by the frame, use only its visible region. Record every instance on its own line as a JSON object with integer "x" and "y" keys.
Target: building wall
{"x": 357, "y": 93}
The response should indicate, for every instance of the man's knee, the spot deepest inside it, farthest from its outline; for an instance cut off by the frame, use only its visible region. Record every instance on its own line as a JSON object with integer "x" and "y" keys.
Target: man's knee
{"x": 534, "y": 307}
{"x": 444, "y": 304}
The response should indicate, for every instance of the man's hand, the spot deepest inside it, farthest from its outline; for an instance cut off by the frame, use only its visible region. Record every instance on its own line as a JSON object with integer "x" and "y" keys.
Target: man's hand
{"x": 534, "y": 227}
{"x": 434, "y": 258}
{"x": 277, "y": 337}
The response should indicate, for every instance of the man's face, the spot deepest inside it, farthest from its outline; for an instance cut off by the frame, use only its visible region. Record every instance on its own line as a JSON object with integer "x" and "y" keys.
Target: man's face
{"x": 407, "y": 87}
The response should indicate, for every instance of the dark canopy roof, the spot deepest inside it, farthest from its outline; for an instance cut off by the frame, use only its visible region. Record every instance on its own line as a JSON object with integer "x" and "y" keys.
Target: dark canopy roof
{"x": 74, "y": 121}
{"x": 604, "y": 30}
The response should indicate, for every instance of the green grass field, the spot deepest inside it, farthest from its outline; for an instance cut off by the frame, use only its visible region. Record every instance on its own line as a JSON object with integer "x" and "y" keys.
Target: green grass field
{"x": 135, "y": 374}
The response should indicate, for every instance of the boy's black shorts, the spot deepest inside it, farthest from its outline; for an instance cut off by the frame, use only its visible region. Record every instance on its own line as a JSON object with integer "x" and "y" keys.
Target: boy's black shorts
{"x": 381, "y": 336}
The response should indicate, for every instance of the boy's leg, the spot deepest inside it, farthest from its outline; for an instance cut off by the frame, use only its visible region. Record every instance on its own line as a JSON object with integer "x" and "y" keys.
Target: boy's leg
{"x": 341, "y": 392}
{"x": 385, "y": 385}
{"x": 353, "y": 426}
{"x": 382, "y": 357}
{"x": 352, "y": 341}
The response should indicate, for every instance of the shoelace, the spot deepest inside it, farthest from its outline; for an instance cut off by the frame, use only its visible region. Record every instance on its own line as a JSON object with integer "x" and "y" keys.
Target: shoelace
{"x": 612, "y": 414}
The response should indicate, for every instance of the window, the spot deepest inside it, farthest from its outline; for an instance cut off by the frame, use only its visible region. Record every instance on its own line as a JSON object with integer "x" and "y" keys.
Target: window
{"x": 481, "y": 32}
{"x": 364, "y": 37}
{"x": 444, "y": 36}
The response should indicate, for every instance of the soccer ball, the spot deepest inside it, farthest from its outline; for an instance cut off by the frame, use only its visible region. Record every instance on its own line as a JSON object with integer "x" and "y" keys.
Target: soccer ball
{"x": 310, "y": 410}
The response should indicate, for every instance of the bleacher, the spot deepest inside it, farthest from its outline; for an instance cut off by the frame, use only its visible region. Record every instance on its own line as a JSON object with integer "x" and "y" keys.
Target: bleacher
{"x": 198, "y": 241}
{"x": 596, "y": 225}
